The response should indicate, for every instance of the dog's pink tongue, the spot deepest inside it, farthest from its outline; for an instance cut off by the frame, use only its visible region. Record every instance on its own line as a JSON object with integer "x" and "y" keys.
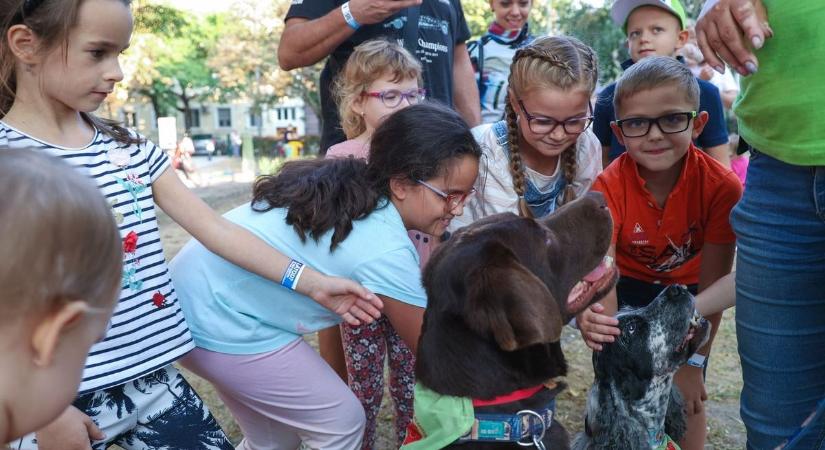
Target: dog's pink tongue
{"x": 596, "y": 274}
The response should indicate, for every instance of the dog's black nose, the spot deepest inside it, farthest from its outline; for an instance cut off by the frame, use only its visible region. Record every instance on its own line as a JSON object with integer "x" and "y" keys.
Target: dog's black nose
{"x": 676, "y": 290}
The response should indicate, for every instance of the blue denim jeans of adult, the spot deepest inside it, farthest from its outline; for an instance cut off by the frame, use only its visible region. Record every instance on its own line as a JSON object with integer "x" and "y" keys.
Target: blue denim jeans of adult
{"x": 780, "y": 309}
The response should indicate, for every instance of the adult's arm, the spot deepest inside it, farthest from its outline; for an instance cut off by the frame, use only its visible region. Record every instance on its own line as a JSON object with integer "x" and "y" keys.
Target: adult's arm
{"x": 730, "y": 30}
{"x": 465, "y": 90}
{"x": 305, "y": 42}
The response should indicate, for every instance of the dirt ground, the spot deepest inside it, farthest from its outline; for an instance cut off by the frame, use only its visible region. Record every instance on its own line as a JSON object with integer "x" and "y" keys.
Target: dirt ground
{"x": 223, "y": 189}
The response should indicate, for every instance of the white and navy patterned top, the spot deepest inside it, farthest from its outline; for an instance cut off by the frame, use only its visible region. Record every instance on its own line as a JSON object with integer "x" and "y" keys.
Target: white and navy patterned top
{"x": 147, "y": 330}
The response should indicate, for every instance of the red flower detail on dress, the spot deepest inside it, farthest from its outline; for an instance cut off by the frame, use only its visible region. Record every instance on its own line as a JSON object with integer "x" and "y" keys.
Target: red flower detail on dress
{"x": 159, "y": 300}
{"x": 130, "y": 242}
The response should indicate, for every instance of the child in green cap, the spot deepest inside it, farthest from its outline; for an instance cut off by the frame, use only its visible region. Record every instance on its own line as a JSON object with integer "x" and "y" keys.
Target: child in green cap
{"x": 657, "y": 28}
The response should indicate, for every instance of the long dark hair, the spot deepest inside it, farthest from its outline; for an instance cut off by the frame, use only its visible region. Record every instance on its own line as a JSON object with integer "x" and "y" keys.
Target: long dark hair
{"x": 51, "y": 21}
{"x": 415, "y": 143}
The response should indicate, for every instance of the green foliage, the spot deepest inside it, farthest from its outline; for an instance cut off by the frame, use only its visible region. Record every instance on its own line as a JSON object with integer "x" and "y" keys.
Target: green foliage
{"x": 594, "y": 27}
{"x": 155, "y": 18}
{"x": 167, "y": 62}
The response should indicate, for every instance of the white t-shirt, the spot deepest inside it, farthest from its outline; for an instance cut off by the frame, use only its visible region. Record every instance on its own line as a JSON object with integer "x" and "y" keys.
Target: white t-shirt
{"x": 147, "y": 330}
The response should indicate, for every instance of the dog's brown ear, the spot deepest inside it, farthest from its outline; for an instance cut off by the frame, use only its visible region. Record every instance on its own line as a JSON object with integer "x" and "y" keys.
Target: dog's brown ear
{"x": 506, "y": 300}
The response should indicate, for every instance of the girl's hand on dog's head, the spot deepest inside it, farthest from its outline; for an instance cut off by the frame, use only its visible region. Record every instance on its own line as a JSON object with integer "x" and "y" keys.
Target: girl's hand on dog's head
{"x": 597, "y": 328}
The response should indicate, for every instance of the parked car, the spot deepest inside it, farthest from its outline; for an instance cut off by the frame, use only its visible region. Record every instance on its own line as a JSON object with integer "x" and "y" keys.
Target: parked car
{"x": 204, "y": 144}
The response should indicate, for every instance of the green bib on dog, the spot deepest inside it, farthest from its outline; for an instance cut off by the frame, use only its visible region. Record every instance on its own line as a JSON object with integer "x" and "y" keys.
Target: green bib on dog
{"x": 439, "y": 420}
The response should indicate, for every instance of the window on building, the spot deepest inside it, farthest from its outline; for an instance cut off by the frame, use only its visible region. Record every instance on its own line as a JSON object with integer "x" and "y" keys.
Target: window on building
{"x": 255, "y": 119}
{"x": 292, "y": 112}
{"x": 130, "y": 119}
{"x": 195, "y": 117}
{"x": 224, "y": 117}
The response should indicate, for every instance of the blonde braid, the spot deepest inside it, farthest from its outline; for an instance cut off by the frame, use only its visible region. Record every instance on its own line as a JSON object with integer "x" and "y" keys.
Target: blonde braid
{"x": 569, "y": 166}
{"x": 516, "y": 165}
{"x": 541, "y": 54}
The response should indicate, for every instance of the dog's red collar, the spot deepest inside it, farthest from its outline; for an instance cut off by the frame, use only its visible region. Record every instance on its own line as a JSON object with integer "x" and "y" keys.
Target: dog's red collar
{"x": 514, "y": 396}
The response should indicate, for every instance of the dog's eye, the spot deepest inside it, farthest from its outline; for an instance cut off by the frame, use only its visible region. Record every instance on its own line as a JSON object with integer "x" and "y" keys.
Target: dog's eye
{"x": 630, "y": 328}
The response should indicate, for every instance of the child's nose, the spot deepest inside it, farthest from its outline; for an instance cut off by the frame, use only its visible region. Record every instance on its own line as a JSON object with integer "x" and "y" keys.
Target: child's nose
{"x": 114, "y": 73}
{"x": 558, "y": 133}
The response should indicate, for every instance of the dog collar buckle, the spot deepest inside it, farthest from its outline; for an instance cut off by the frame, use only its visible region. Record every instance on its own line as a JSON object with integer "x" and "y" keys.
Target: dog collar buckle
{"x": 537, "y": 433}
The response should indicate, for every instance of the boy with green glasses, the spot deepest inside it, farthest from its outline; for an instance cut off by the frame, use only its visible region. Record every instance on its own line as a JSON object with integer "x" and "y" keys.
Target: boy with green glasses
{"x": 670, "y": 204}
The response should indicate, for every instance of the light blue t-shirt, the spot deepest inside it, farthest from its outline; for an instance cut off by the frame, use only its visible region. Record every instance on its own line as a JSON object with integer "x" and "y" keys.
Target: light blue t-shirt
{"x": 231, "y": 310}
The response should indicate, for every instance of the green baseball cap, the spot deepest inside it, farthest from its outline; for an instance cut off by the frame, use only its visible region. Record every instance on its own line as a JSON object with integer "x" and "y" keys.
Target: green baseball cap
{"x": 621, "y": 10}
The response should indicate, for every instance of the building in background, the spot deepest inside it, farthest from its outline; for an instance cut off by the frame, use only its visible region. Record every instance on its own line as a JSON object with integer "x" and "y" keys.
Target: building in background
{"x": 218, "y": 120}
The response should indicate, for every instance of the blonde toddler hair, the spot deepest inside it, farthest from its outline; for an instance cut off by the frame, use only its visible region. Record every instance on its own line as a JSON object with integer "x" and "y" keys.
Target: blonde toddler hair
{"x": 370, "y": 61}
{"x": 58, "y": 238}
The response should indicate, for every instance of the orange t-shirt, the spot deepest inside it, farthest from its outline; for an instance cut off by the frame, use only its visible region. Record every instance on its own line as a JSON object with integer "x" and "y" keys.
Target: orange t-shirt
{"x": 663, "y": 245}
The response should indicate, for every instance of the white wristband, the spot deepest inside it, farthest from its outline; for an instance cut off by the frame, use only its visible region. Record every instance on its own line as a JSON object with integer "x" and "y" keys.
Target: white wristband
{"x": 697, "y": 360}
{"x": 348, "y": 17}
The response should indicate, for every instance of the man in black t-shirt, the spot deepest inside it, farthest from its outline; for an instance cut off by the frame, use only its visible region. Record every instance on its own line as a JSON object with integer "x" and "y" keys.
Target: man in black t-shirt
{"x": 316, "y": 29}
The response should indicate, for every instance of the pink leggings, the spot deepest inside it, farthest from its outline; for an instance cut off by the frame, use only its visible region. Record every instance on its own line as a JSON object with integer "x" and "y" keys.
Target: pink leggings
{"x": 365, "y": 348}
{"x": 283, "y": 398}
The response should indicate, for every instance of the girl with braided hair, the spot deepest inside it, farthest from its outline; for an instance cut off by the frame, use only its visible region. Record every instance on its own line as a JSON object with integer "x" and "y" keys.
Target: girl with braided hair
{"x": 542, "y": 155}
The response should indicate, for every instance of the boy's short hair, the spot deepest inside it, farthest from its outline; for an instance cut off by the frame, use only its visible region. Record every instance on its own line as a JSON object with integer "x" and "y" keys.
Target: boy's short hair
{"x": 621, "y": 10}
{"x": 653, "y": 72}
{"x": 58, "y": 238}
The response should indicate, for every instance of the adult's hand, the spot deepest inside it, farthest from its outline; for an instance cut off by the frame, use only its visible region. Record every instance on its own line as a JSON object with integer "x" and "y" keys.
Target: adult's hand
{"x": 730, "y": 30}
{"x": 368, "y": 12}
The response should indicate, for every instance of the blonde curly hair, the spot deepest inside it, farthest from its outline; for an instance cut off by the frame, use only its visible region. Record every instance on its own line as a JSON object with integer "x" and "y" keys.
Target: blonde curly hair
{"x": 370, "y": 61}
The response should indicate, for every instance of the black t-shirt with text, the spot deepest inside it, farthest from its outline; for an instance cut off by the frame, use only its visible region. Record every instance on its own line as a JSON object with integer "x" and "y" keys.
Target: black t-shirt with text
{"x": 441, "y": 26}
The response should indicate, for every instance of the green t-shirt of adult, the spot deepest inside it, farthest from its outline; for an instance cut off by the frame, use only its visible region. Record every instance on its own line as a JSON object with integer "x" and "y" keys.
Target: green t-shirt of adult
{"x": 780, "y": 108}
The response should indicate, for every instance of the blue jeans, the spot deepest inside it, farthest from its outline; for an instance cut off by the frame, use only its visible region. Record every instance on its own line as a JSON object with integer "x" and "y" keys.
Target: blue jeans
{"x": 780, "y": 309}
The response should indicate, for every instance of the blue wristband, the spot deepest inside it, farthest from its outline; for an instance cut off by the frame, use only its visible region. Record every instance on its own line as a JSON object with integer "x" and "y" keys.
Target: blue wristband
{"x": 349, "y": 17}
{"x": 697, "y": 360}
{"x": 292, "y": 274}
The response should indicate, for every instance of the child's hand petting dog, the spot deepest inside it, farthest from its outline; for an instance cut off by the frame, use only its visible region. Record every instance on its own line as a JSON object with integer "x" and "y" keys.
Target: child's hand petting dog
{"x": 691, "y": 384}
{"x": 597, "y": 325}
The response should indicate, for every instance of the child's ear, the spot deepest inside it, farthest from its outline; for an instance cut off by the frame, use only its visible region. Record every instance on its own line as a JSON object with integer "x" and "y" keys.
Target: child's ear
{"x": 699, "y": 124}
{"x": 47, "y": 332}
{"x": 23, "y": 43}
{"x": 617, "y": 132}
{"x": 400, "y": 187}
{"x": 682, "y": 39}
{"x": 358, "y": 105}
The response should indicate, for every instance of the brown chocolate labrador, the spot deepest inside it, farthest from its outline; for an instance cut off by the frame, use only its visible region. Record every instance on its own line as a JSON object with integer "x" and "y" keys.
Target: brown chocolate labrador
{"x": 499, "y": 292}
